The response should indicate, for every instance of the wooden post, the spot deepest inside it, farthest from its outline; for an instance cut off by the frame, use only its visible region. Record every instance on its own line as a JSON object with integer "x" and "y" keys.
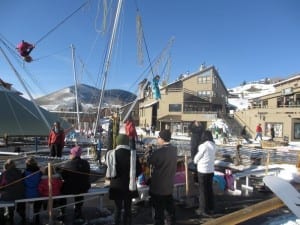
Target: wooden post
{"x": 187, "y": 191}
{"x": 298, "y": 162}
{"x": 50, "y": 200}
{"x": 247, "y": 213}
{"x": 268, "y": 161}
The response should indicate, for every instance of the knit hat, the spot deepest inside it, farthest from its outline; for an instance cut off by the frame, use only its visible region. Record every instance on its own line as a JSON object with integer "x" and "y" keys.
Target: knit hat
{"x": 122, "y": 139}
{"x": 76, "y": 151}
{"x": 165, "y": 134}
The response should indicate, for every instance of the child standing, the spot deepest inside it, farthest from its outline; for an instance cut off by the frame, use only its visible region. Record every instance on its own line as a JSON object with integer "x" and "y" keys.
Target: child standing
{"x": 56, "y": 182}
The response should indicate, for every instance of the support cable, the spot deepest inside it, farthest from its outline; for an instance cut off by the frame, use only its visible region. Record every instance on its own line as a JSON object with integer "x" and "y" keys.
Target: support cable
{"x": 63, "y": 21}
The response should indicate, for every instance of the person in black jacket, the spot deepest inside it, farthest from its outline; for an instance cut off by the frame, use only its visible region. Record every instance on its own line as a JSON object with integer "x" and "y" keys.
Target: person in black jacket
{"x": 11, "y": 188}
{"x": 76, "y": 176}
{"x": 245, "y": 135}
{"x": 164, "y": 165}
{"x": 272, "y": 131}
{"x": 196, "y": 130}
{"x": 120, "y": 190}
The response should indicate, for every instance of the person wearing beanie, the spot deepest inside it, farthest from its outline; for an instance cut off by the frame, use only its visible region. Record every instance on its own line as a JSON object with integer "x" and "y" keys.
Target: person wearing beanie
{"x": 76, "y": 176}
{"x": 164, "y": 164}
{"x": 76, "y": 151}
{"x": 120, "y": 190}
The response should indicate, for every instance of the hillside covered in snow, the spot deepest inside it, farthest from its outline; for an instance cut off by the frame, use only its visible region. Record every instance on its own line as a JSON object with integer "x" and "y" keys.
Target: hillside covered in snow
{"x": 240, "y": 95}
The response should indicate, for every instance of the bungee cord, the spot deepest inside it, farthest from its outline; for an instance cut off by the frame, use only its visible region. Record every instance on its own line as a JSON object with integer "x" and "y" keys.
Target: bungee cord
{"x": 60, "y": 23}
{"x": 49, "y": 55}
{"x": 104, "y": 17}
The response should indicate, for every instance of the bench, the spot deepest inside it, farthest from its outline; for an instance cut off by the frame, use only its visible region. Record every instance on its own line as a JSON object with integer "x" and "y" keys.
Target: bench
{"x": 178, "y": 192}
{"x": 5, "y": 204}
{"x": 90, "y": 195}
{"x": 256, "y": 172}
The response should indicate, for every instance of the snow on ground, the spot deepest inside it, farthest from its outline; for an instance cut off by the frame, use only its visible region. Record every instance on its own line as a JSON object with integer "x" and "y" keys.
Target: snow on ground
{"x": 286, "y": 219}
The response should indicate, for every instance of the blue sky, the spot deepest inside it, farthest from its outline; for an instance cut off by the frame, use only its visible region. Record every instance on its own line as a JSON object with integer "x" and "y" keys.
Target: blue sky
{"x": 244, "y": 40}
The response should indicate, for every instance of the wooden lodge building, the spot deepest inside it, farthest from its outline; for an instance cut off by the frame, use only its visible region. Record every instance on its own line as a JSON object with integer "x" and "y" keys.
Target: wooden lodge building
{"x": 280, "y": 109}
{"x": 199, "y": 96}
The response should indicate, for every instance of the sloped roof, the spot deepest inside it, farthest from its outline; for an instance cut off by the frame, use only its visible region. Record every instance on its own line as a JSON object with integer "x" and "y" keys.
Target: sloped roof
{"x": 19, "y": 116}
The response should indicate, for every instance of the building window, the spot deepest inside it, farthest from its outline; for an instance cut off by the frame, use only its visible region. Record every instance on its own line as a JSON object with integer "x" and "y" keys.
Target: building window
{"x": 215, "y": 81}
{"x": 174, "y": 107}
{"x": 205, "y": 93}
{"x": 277, "y": 129}
{"x": 297, "y": 131}
{"x": 287, "y": 91}
{"x": 265, "y": 103}
{"x": 204, "y": 78}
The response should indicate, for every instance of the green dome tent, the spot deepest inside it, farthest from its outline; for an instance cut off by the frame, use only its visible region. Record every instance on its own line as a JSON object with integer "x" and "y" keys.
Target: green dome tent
{"x": 20, "y": 117}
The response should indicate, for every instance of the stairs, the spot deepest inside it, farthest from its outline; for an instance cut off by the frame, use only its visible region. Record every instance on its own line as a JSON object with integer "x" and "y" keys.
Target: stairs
{"x": 234, "y": 127}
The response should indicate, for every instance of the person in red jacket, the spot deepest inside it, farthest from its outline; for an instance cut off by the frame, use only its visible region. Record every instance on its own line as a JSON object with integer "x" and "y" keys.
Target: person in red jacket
{"x": 258, "y": 132}
{"x": 56, "y": 182}
{"x": 56, "y": 140}
{"x": 131, "y": 132}
{"x": 24, "y": 48}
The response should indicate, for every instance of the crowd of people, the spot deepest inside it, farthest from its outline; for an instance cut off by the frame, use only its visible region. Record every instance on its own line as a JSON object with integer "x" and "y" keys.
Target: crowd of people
{"x": 123, "y": 169}
{"x": 73, "y": 177}
{"x": 163, "y": 163}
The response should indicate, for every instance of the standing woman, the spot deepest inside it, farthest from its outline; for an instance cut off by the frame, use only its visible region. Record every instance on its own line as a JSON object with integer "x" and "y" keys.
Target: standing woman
{"x": 76, "y": 180}
{"x": 205, "y": 159}
{"x": 196, "y": 130}
{"x": 119, "y": 189}
{"x": 56, "y": 140}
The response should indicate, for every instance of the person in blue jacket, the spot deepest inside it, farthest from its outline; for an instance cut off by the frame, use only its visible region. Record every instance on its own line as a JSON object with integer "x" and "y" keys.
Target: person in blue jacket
{"x": 155, "y": 87}
{"x": 32, "y": 179}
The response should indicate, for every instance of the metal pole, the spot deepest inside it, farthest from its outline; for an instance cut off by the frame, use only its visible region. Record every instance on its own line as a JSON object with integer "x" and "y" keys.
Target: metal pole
{"x": 107, "y": 61}
{"x": 26, "y": 89}
{"x": 36, "y": 142}
{"x": 76, "y": 84}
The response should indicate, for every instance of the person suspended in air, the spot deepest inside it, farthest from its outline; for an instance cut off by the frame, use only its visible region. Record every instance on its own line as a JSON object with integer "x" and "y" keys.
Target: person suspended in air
{"x": 24, "y": 48}
{"x": 155, "y": 87}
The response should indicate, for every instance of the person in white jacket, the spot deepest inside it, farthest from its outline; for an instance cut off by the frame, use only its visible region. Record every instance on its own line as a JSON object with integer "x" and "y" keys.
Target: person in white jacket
{"x": 205, "y": 159}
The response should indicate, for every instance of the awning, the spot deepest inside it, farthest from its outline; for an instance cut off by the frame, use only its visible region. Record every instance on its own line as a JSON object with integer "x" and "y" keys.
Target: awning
{"x": 170, "y": 118}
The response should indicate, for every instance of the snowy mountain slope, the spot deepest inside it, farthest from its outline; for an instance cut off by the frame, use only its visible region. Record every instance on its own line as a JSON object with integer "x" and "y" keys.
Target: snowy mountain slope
{"x": 240, "y": 95}
{"x": 88, "y": 98}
